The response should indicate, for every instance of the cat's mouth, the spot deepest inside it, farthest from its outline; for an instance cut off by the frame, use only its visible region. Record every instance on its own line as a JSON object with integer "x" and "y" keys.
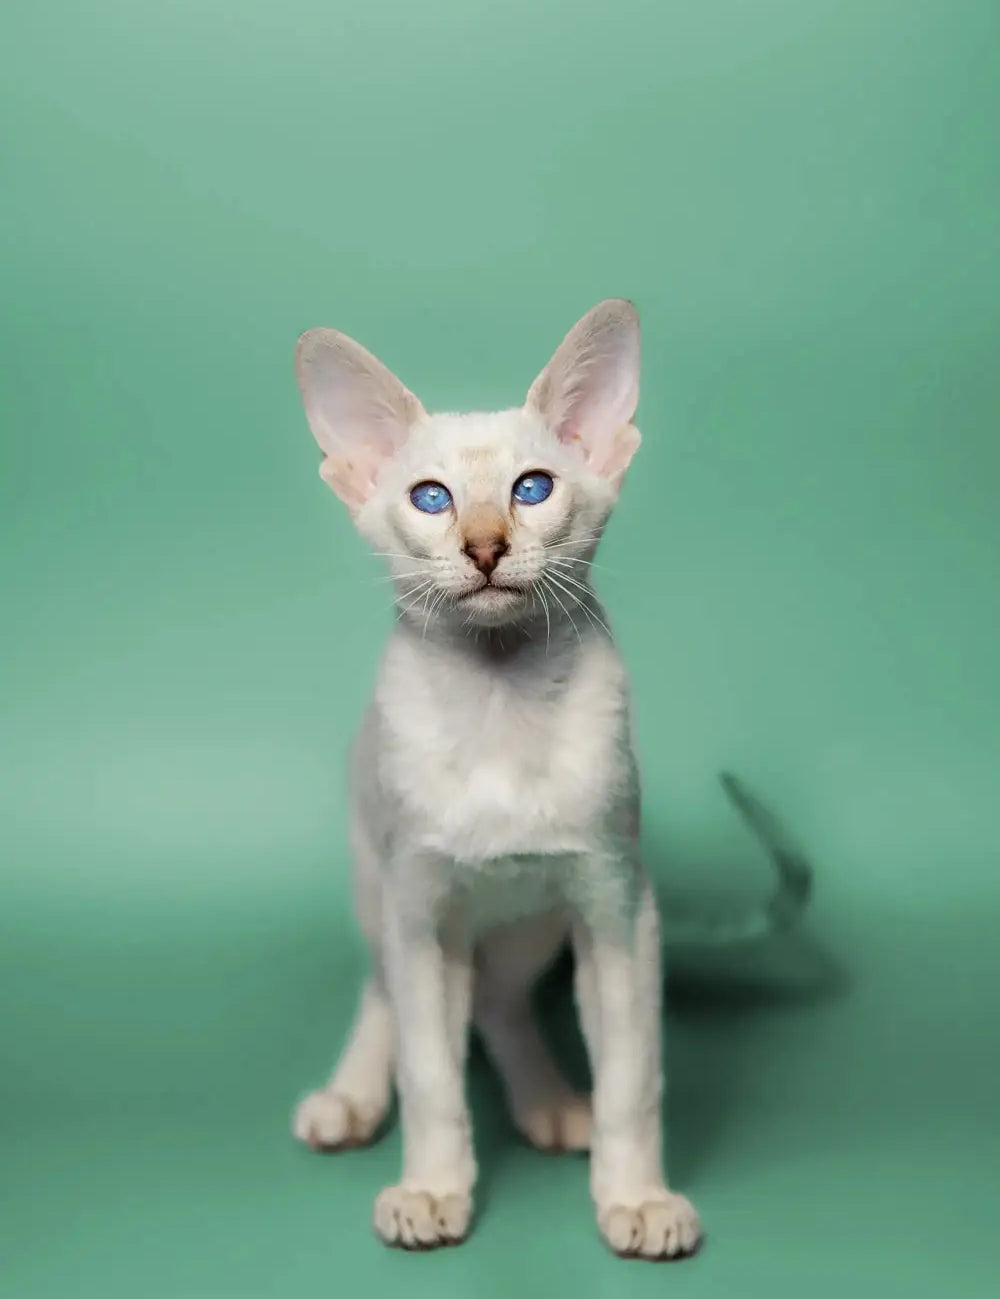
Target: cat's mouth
{"x": 493, "y": 590}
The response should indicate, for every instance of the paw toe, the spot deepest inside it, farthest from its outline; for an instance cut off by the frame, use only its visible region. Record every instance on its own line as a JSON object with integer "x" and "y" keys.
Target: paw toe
{"x": 411, "y": 1219}
{"x": 657, "y": 1229}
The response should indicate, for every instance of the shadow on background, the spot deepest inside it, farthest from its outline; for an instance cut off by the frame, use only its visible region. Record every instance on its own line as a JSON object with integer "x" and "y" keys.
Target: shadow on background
{"x": 721, "y": 1008}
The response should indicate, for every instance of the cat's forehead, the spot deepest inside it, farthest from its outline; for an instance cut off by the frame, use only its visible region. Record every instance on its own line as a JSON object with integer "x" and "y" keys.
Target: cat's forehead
{"x": 476, "y": 441}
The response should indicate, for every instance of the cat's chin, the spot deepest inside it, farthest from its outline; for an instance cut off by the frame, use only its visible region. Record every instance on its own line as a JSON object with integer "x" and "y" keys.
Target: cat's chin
{"x": 494, "y": 606}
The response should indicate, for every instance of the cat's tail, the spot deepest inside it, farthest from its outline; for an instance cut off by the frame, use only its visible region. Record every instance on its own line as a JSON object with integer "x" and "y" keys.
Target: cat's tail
{"x": 726, "y": 925}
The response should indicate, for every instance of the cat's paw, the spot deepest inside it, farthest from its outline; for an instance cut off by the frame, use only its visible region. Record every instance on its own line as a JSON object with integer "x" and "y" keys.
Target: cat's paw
{"x": 559, "y": 1125}
{"x": 329, "y": 1121}
{"x": 411, "y": 1219}
{"x": 662, "y": 1228}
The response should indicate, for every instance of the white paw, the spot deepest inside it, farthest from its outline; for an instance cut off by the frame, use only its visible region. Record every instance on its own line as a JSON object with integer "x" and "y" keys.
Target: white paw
{"x": 666, "y": 1227}
{"x": 559, "y": 1125}
{"x": 419, "y": 1220}
{"x": 327, "y": 1120}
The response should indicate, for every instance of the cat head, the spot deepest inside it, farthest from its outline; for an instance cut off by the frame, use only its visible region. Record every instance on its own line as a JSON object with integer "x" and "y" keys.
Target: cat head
{"x": 480, "y": 514}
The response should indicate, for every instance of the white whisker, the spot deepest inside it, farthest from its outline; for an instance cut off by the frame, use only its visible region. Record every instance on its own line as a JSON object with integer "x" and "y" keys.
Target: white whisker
{"x": 590, "y": 537}
{"x": 575, "y": 582}
{"x": 399, "y": 577}
{"x": 594, "y": 618}
{"x": 432, "y": 607}
{"x": 546, "y": 578}
{"x": 571, "y": 559}
{"x": 416, "y": 597}
{"x": 537, "y": 590}
{"x": 562, "y": 564}
{"x": 583, "y": 563}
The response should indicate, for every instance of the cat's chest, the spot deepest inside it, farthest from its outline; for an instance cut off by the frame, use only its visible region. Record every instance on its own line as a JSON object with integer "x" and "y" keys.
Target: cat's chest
{"x": 490, "y": 765}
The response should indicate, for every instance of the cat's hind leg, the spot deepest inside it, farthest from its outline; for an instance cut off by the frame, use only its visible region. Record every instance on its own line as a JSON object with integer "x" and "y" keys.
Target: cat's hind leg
{"x": 544, "y": 1107}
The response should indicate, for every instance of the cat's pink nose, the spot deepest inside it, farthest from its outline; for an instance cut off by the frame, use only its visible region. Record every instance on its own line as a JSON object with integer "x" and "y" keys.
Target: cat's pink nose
{"x": 486, "y": 552}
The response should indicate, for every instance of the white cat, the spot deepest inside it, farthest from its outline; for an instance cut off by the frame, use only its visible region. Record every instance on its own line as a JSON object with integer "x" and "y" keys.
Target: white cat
{"x": 494, "y": 793}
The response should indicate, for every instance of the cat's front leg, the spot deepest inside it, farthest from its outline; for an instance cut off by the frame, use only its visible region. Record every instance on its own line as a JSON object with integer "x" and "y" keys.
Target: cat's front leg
{"x": 430, "y": 983}
{"x": 618, "y": 983}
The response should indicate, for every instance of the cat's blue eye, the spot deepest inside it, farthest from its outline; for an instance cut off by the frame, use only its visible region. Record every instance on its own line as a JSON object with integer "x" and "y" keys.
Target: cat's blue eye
{"x": 432, "y": 498}
{"x": 533, "y": 488}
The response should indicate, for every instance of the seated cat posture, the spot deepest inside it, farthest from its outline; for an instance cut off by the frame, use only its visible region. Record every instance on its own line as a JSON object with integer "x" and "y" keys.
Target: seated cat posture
{"x": 494, "y": 793}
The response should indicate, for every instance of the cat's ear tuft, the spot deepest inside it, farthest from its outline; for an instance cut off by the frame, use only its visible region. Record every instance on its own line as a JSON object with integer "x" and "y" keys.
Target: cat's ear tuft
{"x": 588, "y": 392}
{"x": 359, "y": 412}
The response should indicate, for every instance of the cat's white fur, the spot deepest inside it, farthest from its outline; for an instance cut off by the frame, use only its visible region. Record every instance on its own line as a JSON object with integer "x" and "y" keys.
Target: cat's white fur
{"x": 494, "y": 792}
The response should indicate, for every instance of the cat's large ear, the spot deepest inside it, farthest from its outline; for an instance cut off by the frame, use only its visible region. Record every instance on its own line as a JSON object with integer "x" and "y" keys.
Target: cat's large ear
{"x": 359, "y": 412}
{"x": 588, "y": 392}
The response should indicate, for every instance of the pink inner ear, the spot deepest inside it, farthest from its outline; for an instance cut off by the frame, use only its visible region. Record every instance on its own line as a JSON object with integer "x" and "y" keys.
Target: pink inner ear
{"x": 352, "y": 475}
{"x": 596, "y": 413}
{"x": 623, "y": 447}
{"x": 359, "y": 412}
{"x": 589, "y": 391}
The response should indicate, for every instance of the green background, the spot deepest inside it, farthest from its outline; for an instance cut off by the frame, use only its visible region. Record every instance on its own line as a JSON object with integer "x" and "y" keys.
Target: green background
{"x": 802, "y": 198}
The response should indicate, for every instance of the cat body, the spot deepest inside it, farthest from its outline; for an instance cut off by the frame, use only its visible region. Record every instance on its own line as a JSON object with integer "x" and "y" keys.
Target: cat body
{"x": 494, "y": 789}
